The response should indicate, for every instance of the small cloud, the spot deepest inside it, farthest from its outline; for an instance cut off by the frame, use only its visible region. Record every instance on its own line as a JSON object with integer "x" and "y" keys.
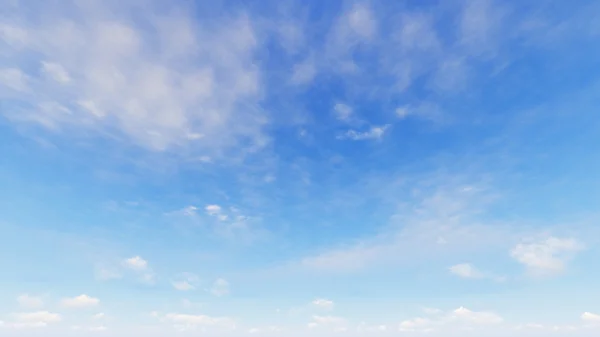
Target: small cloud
{"x": 183, "y": 286}
{"x": 136, "y": 263}
{"x": 416, "y": 324}
{"x": 220, "y": 287}
{"x": 199, "y": 320}
{"x": 375, "y": 132}
{"x": 546, "y": 257}
{"x": 213, "y": 210}
{"x": 432, "y": 311}
{"x": 403, "y": 112}
{"x": 304, "y": 72}
{"x": 14, "y": 79}
{"x": 323, "y": 303}
{"x": 342, "y": 112}
{"x": 361, "y": 21}
{"x": 56, "y": 72}
{"x": 185, "y": 282}
{"x": 104, "y": 274}
{"x": 328, "y": 320}
{"x": 189, "y": 210}
{"x": 99, "y": 315}
{"x": 590, "y": 317}
{"x": 30, "y": 302}
{"x": 33, "y": 319}
{"x": 80, "y": 301}
{"x": 481, "y": 317}
{"x": 466, "y": 270}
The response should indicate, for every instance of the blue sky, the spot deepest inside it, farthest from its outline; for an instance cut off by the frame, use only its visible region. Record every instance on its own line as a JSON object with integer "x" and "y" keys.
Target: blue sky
{"x": 281, "y": 168}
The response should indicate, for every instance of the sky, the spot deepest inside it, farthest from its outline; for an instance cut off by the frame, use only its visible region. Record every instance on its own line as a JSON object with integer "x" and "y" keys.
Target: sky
{"x": 299, "y": 168}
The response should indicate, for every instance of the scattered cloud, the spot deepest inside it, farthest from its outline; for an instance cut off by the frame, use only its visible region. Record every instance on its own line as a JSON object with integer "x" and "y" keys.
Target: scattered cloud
{"x": 186, "y": 321}
{"x": 106, "y": 274}
{"x": 323, "y": 303}
{"x": 81, "y": 301}
{"x": 450, "y": 209}
{"x": 220, "y": 287}
{"x": 546, "y": 257}
{"x": 590, "y": 317}
{"x": 267, "y": 330}
{"x": 356, "y": 26}
{"x": 136, "y": 263}
{"x": 328, "y": 320}
{"x": 466, "y": 270}
{"x": 481, "y": 317}
{"x": 342, "y": 112}
{"x": 139, "y": 266}
{"x": 30, "y": 302}
{"x": 185, "y": 282}
{"x": 166, "y": 76}
{"x": 56, "y": 72}
{"x": 416, "y": 324}
{"x": 14, "y": 79}
{"x": 213, "y": 210}
{"x": 304, "y": 72}
{"x": 458, "y": 318}
{"x": 38, "y": 319}
{"x": 432, "y": 311}
{"x": 374, "y": 132}
{"x": 99, "y": 315}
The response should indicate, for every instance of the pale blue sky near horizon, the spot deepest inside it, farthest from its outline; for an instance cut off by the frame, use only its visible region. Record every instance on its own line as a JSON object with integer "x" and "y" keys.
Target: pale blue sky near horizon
{"x": 292, "y": 168}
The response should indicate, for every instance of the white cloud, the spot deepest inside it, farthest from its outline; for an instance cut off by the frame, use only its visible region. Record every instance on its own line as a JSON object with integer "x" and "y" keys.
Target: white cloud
{"x": 432, "y": 311}
{"x": 482, "y": 317}
{"x": 304, "y": 72}
{"x": 328, "y": 320}
{"x": 187, "y": 320}
{"x": 30, "y": 302}
{"x": 266, "y": 330}
{"x": 81, "y": 301}
{"x": 403, "y": 112}
{"x": 546, "y": 257}
{"x": 323, "y": 303}
{"x": 416, "y": 324}
{"x": 342, "y": 111}
{"x": 479, "y": 24}
{"x": 590, "y": 317}
{"x": 461, "y": 318}
{"x": 156, "y": 76}
{"x": 189, "y": 210}
{"x": 220, "y": 287}
{"x": 357, "y": 25}
{"x": 363, "y": 327}
{"x": 375, "y": 132}
{"x": 33, "y": 319}
{"x": 136, "y": 263}
{"x": 106, "y": 274}
{"x": 185, "y": 282}
{"x": 213, "y": 210}
{"x": 56, "y": 72}
{"x": 466, "y": 270}
{"x": 99, "y": 315}
{"x": 183, "y": 286}
{"x": 13, "y": 79}
{"x": 361, "y": 21}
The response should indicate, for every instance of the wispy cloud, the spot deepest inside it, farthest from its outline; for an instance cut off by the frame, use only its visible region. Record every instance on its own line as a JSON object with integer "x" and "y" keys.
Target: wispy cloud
{"x": 187, "y": 84}
{"x": 374, "y": 132}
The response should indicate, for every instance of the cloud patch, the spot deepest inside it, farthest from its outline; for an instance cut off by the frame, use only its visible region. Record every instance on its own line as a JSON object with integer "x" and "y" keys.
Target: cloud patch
{"x": 546, "y": 257}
